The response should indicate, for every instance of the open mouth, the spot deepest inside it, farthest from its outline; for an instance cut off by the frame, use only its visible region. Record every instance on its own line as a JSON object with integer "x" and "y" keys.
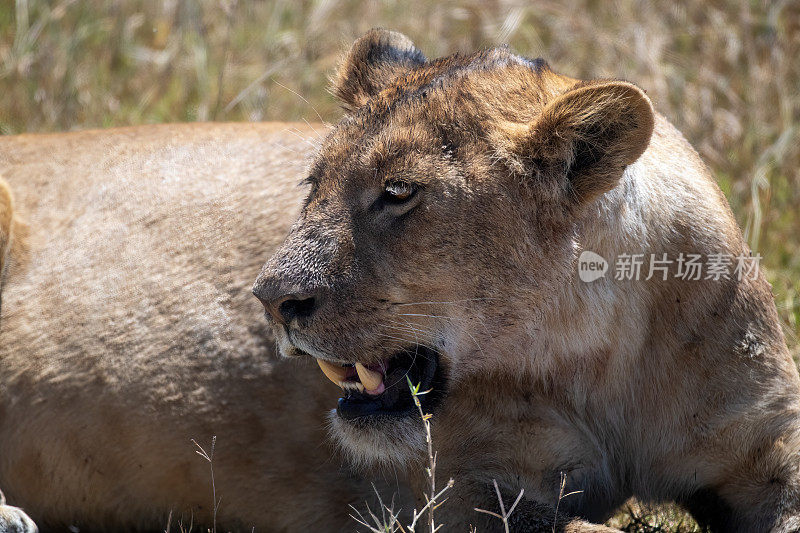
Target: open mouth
{"x": 382, "y": 388}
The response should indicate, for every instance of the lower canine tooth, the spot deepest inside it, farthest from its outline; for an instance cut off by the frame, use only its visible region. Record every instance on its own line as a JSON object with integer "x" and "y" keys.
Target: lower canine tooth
{"x": 334, "y": 373}
{"x": 371, "y": 379}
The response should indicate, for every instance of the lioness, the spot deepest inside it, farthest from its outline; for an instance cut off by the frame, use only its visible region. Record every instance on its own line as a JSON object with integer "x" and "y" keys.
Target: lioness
{"x": 439, "y": 240}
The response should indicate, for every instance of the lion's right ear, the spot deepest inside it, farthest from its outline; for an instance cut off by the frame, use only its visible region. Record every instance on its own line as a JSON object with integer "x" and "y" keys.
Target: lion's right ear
{"x": 374, "y": 61}
{"x": 592, "y": 133}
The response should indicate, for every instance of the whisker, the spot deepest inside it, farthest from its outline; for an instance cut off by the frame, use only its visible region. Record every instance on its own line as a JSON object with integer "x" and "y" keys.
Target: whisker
{"x": 302, "y": 98}
{"x": 408, "y": 327}
{"x": 477, "y": 344}
{"x": 300, "y": 136}
{"x": 287, "y": 130}
{"x": 415, "y": 329}
{"x": 453, "y": 318}
{"x": 430, "y": 316}
{"x": 399, "y": 339}
{"x": 413, "y": 361}
{"x": 445, "y": 302}
{"x": 312, "y": 127}
{"x": 306, "y": 139}
{"x": 288, "y": 148}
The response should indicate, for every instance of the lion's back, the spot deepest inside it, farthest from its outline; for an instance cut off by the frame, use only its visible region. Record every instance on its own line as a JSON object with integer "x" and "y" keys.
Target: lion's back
{"x": 157, "y": 229}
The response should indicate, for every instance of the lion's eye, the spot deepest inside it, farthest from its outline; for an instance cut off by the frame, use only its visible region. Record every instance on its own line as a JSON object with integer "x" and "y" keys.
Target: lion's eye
{"x": 397, "y": 192}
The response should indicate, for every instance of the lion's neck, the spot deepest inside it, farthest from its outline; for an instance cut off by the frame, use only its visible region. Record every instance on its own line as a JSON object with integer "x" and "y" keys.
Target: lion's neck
{"x": 589, "y": 322}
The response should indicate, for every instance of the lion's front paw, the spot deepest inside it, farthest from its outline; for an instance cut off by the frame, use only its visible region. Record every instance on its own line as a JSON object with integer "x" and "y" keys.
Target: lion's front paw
{"x": 14, "y": 520}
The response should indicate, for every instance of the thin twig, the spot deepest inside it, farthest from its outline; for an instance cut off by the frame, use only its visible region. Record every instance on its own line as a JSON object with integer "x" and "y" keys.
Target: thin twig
{"x": 503, "y": 516}
{"x": 210, "y": 458}
{"x": 433, "y": 498}
{"x": 561, "y": 496}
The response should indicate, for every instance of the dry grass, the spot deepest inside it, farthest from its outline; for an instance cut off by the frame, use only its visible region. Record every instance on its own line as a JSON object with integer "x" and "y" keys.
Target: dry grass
{"x": 726, "y": 72}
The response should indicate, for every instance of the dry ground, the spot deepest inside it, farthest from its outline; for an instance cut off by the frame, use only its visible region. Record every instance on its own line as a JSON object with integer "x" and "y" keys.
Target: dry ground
{"x": 725, "y": 72}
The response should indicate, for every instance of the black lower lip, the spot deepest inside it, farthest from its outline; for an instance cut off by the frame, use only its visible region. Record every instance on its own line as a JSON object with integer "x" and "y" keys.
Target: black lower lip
{"x": 419, "y": 364}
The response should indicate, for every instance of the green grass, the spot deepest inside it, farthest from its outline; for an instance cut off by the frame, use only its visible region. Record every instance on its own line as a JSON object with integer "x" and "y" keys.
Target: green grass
{"x": 726, "y": 73}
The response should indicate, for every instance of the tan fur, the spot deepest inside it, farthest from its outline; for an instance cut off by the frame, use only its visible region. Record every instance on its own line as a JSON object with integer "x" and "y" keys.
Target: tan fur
{"x": 6, "y": 222}
{"x": 661, "y": 389}
{"x": 127, "y": 327}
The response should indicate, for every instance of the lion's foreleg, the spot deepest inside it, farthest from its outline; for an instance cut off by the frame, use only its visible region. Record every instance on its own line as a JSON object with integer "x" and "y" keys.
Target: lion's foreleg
{"x": 14, "y": 520}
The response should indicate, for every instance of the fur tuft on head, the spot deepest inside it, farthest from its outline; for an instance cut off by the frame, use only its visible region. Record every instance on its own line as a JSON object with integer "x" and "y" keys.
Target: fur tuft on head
{"x": 373, "y": 62}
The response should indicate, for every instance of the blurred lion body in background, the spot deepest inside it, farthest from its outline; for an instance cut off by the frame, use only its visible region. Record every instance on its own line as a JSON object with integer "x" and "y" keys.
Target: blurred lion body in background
{"x": 128, "y": 329}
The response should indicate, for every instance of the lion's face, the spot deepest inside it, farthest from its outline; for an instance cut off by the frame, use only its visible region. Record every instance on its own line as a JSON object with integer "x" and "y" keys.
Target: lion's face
{"x": 439, "y": 226}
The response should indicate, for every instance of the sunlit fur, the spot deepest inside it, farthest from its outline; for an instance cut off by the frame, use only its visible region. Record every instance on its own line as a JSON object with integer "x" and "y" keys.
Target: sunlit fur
{"x": 661, "y": 389}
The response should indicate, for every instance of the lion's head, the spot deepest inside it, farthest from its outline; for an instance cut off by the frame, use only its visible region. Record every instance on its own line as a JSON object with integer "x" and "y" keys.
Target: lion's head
{"x": 439, "y": 225}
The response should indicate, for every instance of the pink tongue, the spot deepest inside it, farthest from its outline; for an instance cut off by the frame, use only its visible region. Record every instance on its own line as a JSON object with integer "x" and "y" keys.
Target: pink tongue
{"x": 377, "y": 391}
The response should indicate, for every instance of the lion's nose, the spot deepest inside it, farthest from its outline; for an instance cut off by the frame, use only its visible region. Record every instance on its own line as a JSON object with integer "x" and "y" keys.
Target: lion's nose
{"x": 285, "y": 308}
{"x": 295, "y": 306}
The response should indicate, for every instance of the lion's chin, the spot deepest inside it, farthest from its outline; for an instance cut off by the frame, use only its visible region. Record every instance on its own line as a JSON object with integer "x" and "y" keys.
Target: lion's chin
{"x": 378, "y": 441}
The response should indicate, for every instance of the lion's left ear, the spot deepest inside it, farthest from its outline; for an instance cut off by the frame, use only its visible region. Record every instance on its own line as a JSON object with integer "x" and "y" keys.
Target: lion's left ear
{"x": 592, "y": 133}
{"x": 373, "y": 62}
